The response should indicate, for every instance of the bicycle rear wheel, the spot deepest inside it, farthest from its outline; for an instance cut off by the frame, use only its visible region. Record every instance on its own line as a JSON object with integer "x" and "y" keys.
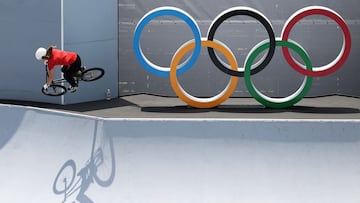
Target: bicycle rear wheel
{"x": 92, "y": 74}
{"x": 54, "y": 90}
{"x": 104, "y": 158}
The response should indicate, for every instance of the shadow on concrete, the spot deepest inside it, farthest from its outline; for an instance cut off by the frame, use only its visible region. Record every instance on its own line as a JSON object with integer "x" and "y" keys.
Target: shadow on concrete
{"x": 251, "y": 109}
{"x": 100, "y": 168}
{"x": 339, "y": 107}
{"x": 79, "y": 107}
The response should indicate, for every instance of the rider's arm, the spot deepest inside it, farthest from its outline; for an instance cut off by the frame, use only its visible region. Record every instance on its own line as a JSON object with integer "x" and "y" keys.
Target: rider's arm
{"x": 50, "y": 77}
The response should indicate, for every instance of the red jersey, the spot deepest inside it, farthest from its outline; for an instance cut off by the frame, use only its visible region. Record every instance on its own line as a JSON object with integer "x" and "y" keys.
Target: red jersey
{"x": 61, "y": 58}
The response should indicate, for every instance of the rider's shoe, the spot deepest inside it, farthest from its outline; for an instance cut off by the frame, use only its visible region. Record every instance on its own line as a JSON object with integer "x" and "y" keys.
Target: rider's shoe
{"x": 78, "y": 74}
{"x": 72, "y": 89}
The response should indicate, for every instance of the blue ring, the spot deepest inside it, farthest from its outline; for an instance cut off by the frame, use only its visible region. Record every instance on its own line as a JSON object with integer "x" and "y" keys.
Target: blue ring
{"x": 166, "y": 11}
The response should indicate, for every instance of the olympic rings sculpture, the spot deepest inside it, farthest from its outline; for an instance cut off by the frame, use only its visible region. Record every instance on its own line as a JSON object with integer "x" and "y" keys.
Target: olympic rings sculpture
{"x": 249, "y": 68}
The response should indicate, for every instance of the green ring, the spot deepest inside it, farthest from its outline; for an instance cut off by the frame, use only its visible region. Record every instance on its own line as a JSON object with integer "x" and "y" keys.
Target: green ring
{"x": 276, "y": 102}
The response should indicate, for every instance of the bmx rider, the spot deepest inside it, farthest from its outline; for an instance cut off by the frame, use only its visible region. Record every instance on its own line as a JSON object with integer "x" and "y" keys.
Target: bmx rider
{"x": 70, "y": 62}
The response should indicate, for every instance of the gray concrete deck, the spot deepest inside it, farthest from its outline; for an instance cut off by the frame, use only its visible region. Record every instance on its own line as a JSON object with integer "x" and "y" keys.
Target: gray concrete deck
{"x": 150, "y": 106}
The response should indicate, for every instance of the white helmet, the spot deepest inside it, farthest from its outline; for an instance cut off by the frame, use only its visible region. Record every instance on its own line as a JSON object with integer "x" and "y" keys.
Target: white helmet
{"x": 40, "y": 52}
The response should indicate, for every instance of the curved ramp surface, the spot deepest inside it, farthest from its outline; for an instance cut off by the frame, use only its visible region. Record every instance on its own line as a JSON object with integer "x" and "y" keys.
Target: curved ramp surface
{"x": 50, "y": 156}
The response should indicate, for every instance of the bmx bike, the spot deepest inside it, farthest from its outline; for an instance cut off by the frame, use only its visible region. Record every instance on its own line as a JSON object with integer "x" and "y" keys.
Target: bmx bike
{"x": 57, "y": 87}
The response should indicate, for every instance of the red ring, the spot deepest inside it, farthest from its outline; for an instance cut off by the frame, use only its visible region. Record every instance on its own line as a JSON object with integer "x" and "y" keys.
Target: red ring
{"x": 317, "y": 11}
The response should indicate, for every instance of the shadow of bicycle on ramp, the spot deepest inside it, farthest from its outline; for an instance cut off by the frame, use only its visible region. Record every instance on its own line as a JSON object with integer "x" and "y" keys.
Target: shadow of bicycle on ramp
{"x": 99, "y": 168}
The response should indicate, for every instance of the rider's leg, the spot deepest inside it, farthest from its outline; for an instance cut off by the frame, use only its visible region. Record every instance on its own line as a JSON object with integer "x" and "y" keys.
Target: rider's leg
{"x": 69, "y": 76}
{"x": 70, "y": 72}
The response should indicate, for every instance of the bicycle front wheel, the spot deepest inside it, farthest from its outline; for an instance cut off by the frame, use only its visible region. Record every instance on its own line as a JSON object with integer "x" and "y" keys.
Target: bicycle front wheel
{"x": 54, "y": 90}
{"x": 65, "y": 177}
{"x": 92, "y": 74}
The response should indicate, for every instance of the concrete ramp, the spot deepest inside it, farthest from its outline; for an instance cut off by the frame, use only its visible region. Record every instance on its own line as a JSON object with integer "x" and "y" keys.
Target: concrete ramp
{"x": 49, "y": 156}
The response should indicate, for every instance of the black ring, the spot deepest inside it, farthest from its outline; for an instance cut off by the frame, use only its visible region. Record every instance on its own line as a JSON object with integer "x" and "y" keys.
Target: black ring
{"x": 263, "y": 21}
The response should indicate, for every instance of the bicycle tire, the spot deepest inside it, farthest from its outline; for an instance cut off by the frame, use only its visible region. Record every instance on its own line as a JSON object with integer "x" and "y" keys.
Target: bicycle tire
{"x": 106, "y": 169}
{"x": 92, "y": 74}
{"x": 69, "y": 166}
{"x": 54, "y": 90}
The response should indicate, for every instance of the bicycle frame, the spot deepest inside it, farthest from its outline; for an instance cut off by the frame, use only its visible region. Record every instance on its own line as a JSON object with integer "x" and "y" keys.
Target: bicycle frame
{"x": 60, "y": 80}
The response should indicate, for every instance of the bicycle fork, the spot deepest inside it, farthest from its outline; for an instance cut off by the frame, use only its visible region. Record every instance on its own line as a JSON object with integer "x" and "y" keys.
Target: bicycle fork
{"x": 65, "y": 192}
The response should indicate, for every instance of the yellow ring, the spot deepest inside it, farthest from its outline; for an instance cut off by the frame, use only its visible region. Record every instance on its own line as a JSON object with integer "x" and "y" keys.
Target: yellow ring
{"x": 203, "y": 102}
